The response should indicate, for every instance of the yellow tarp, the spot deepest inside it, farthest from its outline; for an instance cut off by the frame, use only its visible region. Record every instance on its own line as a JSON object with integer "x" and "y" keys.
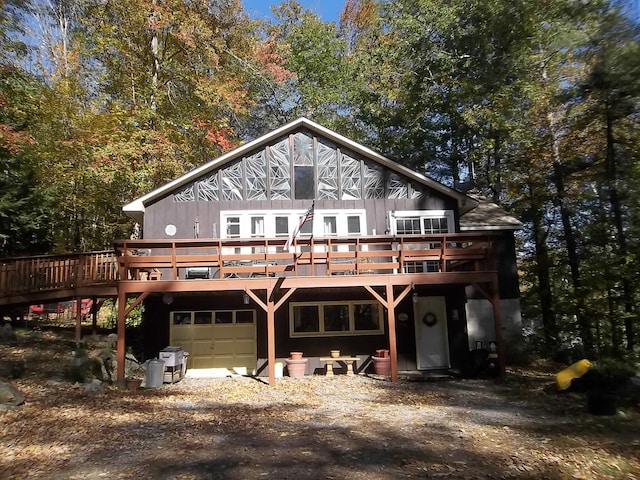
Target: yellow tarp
{"x": 578, "y": 369}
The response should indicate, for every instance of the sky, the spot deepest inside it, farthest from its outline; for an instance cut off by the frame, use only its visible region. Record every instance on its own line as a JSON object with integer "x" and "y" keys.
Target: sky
{"x": 327, "y": 10}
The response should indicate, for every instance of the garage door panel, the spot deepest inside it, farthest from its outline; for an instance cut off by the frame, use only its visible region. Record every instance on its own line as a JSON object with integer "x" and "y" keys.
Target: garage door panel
{"x": 180, "y": 333}
{"x": 224, "y": 348}
{"x": 245, "y": 347}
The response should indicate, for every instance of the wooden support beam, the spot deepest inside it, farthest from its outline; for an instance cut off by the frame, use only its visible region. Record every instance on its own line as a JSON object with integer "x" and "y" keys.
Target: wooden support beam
{"x": 391, "y": 315}
{"x": 270, "y": 308}
{"x": 120, "y": 350}
{"x": 271, "y": 339}
{"x": 78, "y": 320}
{"x": 94, "y": 315}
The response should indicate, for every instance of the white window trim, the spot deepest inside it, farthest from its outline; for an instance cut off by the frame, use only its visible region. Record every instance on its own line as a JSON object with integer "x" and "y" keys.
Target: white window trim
{"x": 343, "y": 333}
{"x": 294, "y": 217}
{"x": 421, "y": 214}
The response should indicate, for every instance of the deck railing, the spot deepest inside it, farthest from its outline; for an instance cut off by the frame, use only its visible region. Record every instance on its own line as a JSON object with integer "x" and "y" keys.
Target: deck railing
{"x": 228, "y": 258}
{"x": 146, "y": 260}
{"x": 24, "y": 275}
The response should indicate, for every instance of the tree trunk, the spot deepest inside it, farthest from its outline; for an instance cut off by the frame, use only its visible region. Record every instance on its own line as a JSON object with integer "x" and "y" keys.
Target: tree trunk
{"x": 616, "y": 208}
{"x": 584, "y": 324}
{"x": 543, "y": 274}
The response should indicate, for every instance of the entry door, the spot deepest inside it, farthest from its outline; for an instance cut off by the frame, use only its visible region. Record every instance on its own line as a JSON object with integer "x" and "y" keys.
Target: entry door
{"x": 432, "y": 343}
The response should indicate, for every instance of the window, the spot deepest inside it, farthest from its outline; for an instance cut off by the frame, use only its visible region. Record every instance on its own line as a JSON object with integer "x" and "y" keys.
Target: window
{"x": 435, "y": 225}
{"x": 330, "y": 228}
{"x": 182, "y": 318}
{"x": 304, "y": 186}
{"x": 353, "y": 225}
{"x": 366, "y": 317}
{"x": 282, "y": 226}
{"x": 279, "y": 223}
{"x": 257, "y": 226}
{"x": 421, "y": 222}
{"x": 306, "y": 319}
{"x": 203, "y": 318}
{"x": 224, "y": 317}
{"x": 217, "y": 317}
{"x": 245, "y": 316}
{"x": 407, "y": 226}
{"x": 335, "y": 318}
{"x": 425, "y": 222}
{"x": 233, "y": 227}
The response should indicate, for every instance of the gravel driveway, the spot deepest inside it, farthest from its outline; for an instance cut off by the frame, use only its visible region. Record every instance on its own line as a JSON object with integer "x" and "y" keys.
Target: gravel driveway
{"x": 341, "y": 427}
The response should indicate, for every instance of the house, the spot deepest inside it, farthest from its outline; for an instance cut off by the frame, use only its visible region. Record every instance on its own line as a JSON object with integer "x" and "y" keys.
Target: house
{"x": 387, "y": 259}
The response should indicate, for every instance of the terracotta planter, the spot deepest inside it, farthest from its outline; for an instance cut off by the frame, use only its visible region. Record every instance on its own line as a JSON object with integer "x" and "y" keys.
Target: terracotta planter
{"x": 382, "y": 353}
{"x": 133, "y": 383}
{"x": 335, "y": 353}
{"x": 296, "y": 368}
{"x": 295, "y": 355}
{"x": 382, "y": 365}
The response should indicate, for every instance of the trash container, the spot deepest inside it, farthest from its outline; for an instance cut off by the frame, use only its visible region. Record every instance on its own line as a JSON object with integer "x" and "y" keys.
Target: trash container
{"x": 155, "y": 373}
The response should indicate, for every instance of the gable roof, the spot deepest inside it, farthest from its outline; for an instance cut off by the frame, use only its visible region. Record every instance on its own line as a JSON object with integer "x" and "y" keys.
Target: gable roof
{"x": 136, "y": 208}
{"x": 476, "y": 213}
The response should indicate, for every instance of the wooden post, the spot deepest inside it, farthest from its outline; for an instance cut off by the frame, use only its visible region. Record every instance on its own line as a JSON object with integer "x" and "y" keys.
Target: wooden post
{"x": 393, "y": 350}
{"x": 78, "y": 320}
{"x": 271, "y": 338}
{"x": 94, "y": 315}
{"x": 120, "y": 352}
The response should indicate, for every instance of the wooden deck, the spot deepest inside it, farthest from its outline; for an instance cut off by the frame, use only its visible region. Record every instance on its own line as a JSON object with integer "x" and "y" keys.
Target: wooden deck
{"x": 182, "y": 265}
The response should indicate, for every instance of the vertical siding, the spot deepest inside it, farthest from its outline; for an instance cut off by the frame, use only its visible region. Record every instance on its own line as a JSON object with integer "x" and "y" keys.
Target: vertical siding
{"x": 183, "y": 214}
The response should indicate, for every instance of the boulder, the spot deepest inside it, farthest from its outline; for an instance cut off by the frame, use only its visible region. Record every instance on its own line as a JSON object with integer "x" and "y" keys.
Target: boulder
{"x": 9, "y": 397}
{"x": 7, "y": 335}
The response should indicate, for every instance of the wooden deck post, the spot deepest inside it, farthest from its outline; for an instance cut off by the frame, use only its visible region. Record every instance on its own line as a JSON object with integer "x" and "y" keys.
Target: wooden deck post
{"x": 271, "y": 339}
{"x": 78, "y": 321}
{"x": 391, "y": 315}
{"x": 121, "y": 327}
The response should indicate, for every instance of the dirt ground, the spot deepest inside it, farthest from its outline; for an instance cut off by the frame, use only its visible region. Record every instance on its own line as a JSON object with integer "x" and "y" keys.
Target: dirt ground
{"x": 356, "y": 427}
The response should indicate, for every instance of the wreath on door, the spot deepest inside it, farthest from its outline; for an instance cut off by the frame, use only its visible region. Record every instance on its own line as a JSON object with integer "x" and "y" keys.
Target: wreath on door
{"x": 429, "y": 319}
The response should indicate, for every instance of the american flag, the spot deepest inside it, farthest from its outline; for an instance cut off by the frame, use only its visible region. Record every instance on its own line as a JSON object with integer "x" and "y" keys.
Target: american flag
{"x": 307, "y": 217}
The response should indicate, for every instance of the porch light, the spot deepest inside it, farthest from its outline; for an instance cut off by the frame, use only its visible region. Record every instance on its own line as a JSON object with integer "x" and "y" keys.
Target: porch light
{"x": 245, "y": 298}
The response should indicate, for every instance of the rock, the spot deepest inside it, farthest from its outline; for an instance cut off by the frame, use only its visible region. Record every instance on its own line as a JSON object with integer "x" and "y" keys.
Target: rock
{"x": 112, "y": 340}
{"x": 95, "y": 386}
{"x": 7, "y": 335}
{"x": 9, "y": 396}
